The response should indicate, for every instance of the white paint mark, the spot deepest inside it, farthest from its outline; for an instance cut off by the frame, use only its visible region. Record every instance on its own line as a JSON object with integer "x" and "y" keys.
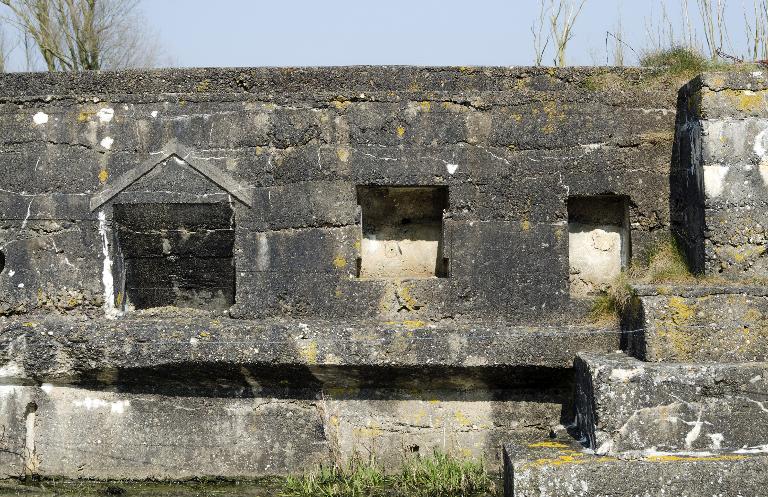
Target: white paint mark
{"x": 695, "y": 432}
{"x": 46, "y": 387}
{"x": 26, "y": 218}
{"x": 40, "y": 118}
{"x": 107, "y": 142}
{"x": 624, "y": 375}
{"x": 758, "y": 449}
{"x": 717, "y": 440}
{"x": 110, "y": 312}
{"x": 714, "y": 177}
{"x": 758, "y": 148}
{"x": 90, "y": 404}
{"x": 451, "y": 168}
{"x": 153, "y": 113}
{"x": 106, "y": 114}
{"x": 262, "y": 259}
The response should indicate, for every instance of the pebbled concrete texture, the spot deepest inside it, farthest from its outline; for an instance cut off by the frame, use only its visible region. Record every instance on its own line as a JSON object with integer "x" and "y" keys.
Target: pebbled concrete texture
{"x": 561, "y": 469}
{"x": 299, "y": 141}
{"x": 700, "y": 324}
{"x": 625, "y": 405}
{"x": 722, "y": 134}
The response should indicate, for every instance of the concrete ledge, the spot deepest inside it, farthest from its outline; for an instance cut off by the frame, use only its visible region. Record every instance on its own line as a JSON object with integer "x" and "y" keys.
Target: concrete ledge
{"x": 623, "y": 404}
{"x": 563, "y": 469}
{"x": 64, "y": 350}
{"x": 723, "y": 324}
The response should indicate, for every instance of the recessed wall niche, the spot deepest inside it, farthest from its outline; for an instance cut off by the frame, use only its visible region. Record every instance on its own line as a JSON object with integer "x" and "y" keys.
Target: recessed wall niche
{"x": 176, "y": 255}
{"x": 402, "y": 231}
{"x": 598, "y": 242}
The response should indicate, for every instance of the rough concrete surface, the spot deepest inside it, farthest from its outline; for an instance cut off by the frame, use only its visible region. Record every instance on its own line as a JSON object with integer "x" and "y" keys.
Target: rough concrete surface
{"x": 625, "y": 405}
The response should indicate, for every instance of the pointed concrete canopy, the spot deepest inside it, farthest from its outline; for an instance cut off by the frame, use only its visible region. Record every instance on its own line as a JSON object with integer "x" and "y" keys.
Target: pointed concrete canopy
{"x": 172, "y": 149}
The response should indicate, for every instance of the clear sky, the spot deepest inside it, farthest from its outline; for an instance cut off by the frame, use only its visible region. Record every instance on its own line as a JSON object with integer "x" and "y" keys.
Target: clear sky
{"x": 424, "y": 32}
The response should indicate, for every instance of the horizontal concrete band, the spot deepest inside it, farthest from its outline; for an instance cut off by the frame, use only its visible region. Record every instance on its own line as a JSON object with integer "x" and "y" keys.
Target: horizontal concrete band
{"x": 559, "y": 469}
{"x": 57, "y": 349}
{"x": 625, "y": 405}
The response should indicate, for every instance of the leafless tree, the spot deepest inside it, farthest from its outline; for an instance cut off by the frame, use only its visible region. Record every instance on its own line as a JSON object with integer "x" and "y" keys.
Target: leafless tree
{"x": 75, "y": 35}
{"x": 712, "y": 13}
{"x": 540, "y": 40}
{"x": 562, "y": 17}
{"x": 757, "y": 31}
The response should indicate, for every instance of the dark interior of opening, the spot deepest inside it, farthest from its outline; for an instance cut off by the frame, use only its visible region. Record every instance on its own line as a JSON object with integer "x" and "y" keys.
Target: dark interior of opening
{"x": 598, "y": 210}
{"x": 2, "y": 261}
{"x": 402, "y": 229}
{"x": 176, "y": 255}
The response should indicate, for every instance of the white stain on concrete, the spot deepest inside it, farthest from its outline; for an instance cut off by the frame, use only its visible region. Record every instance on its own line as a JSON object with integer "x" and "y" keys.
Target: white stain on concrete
{"x": 47, "y": 388}
{"x": 90, "y": 404}
{"x": 153, "y": 114}
{"x": 695, "y": 432}
{"x": 624, "y": 375}
{"x": 6, "y": 390}
{"x": 11, "y": 273}
{"x": 40, "y": 118}
{"x": 262, "y": 260}
{"x": 21, "y": 285}
{"x": 717, "y": 440}
{"x": 759, "y": 147}
{"x": 107, "y": 142}
{"x": 110, "y": 312}
{"x": 714, "y": 180}
{"x": 451, "y": 168}
{"x": 11, "y": 370}
{"x": 106, "y": 114}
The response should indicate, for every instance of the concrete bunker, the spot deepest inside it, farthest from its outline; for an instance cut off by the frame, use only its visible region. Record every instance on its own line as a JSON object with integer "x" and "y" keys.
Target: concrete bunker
{"x": 402, "y": 231}
{"x": 176, "y": 255}
{"x": 599, "y": 245}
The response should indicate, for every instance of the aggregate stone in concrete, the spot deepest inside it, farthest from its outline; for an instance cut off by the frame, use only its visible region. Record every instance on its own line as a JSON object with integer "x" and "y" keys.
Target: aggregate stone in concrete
{"x": 625, "y": 405}
{"x": 563, "y": 469}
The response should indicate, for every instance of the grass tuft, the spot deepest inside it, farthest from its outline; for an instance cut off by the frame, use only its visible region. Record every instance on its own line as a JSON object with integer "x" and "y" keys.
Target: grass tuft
{"x": 686, "y": 62}
{"x": 666, "y": 262}
{"x": 442, "y": 475}
{"x": 438, "y": 475}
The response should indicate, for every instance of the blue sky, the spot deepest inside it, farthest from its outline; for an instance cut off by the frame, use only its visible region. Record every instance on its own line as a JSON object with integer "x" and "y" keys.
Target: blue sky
{"x": 424, "y": 32}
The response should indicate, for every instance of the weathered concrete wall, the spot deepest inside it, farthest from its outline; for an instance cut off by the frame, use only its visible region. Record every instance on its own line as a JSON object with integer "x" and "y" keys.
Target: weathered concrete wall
{"x": 722, "y": 185}
{"x": 510, "y": 144}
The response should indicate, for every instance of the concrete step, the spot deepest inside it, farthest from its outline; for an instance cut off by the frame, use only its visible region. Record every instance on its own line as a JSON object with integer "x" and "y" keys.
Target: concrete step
{"x": 700, "y": 324}
{"x": 623, "y": 404}
{"x": 564, "y": 469}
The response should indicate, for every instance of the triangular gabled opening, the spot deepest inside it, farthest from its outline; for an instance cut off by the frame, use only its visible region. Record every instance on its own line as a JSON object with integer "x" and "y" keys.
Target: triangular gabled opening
{"x": 173, "y": 150}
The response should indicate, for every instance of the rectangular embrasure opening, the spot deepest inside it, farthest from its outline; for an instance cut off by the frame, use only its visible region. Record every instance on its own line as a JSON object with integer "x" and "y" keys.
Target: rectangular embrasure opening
{"x": 402, "y": 231}
{"x": 599, "y": 244}
{"x": 176, "y": 255}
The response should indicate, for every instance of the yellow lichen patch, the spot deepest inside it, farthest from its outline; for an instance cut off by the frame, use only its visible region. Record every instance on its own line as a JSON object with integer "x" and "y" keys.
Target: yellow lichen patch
{"x": 342, "y": 153}
{"x": 548, "y": 445}
{"x": 338, "y": 293}
{"x": 517, "y": 117}
{"x": 340, "y": 104}
{"x": 29, "y": 324}
{"x": 203, "y": 86}
{"x": 358, "y": 244}
{"x": 554, "y": 116}
{"x": 400, "y": 131}
{"x": 406, "y": 299}
{"x": 462, "y": 419}
{"x": 85, "y": 116}
{"x": 425, "y": 106}
{"x": 103, "y": 176}
{"x": 682, "y": 312}
{"x": 525, "y": 225}
{"x": 339, "y": 262}
{"x": 309, "y": 352}
{"x": 372, "y": 431}
{"x": 413, "y": 324}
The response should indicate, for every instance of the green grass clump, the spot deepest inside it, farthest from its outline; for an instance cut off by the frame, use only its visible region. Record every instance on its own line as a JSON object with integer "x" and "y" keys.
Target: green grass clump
{"x": 678, "y": 60}
{"x": 359, "y": 478}
{"x": 442, "y": 475}
{"x": 666, "y": 262}
{"x": 438, "y": 475}
{"x": 609, "y": 305}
